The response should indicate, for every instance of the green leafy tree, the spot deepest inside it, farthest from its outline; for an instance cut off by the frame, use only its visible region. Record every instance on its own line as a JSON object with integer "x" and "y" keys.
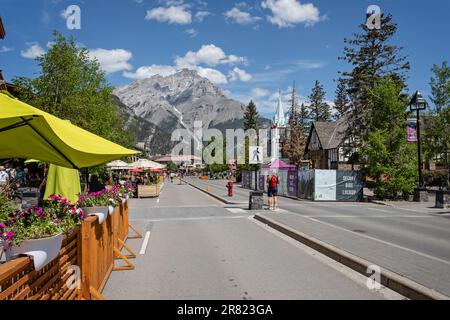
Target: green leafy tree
{"x": 171, "y": 166}
{"x": 372, "y": 57}
{"x": 437, "y": 123}
{"x": 390, "y": 160}
{"x": 320, "y": 110}
{"x": 72, "y": 86}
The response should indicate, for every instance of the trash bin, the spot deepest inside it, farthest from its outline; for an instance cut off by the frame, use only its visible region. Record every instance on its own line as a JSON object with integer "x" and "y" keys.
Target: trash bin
{"x": 256, "y": 200}
{"x": 441, "y": 199}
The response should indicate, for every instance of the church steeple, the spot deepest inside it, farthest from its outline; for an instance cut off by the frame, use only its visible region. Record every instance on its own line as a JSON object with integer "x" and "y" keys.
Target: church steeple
{"x": 279, "y": 119}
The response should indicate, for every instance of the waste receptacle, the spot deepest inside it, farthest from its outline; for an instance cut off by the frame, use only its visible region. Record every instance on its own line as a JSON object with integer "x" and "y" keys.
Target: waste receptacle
{"x": 256, "y": 200}
{"x": 442, "y": 199}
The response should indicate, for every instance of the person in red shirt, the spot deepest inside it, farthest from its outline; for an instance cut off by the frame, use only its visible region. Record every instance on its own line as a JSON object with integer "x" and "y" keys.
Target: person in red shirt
{"x": 272, "y": 190}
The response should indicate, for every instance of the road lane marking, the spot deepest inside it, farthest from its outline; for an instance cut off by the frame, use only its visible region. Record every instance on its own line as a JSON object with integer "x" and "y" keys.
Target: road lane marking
{"x": 236, "y": 210}
{"x": 145, "y": 243}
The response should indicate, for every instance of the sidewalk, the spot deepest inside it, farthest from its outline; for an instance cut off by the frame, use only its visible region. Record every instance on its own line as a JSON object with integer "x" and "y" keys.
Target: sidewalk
{"x": 423, "y": 207}
{"x": 430, "y": 272}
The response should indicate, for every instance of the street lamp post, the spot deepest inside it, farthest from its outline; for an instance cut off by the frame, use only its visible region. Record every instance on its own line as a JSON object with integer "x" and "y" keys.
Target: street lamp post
{"x": 417, "y": 104}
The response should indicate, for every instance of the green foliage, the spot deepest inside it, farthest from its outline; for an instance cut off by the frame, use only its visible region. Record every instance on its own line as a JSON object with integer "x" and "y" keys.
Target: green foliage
{"x": 320, "y": 110}
{"x": 437, "y": 122}
{"x": 390, "y": 159}
{"x": 171, "y": 166}
{"x": 72, "y": 86}
{"x": 341, "y": 100}
{"x": 251, "y": 120}
{"x": 372, "y": 57}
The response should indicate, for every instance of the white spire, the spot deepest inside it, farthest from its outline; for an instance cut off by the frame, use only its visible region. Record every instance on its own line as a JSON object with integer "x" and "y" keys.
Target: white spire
{"x": 280, "y": 118}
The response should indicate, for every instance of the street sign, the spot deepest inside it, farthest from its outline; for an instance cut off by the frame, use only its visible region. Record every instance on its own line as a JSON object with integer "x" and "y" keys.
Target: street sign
{"x": 256, "y": 155}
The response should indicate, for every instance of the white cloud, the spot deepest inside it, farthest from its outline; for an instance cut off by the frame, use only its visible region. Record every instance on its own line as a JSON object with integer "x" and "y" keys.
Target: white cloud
{"x": 209, "y": 55}
{"x": 239, "y": 74}
{"x": 192, "y": 32}
{"x": 172, "y": 15}
{"x": 259, "y": 93}
{"x": 149, "y": 71}
{"x": 240, "y": 17}
{"x": 4, "y": 49}
{"x": 112, "y": 60}
{"x": 288, "y": 13}
{"x": 33, "y": 51}
{"x": 201, "y": 15}
{"x": 215, "y": 76}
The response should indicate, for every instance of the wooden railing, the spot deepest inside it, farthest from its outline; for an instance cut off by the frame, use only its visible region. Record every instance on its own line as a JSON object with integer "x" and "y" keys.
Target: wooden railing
{"x": 56, "y": 281}
{"x": 92, "y": 251}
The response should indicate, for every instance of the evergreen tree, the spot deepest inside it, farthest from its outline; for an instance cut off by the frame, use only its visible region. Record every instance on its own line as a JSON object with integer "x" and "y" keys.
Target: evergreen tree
{"x": 304, "y": 119}
{"x": 390, "y": 160}
{"x": 251, "y": 117}
{"x": 72, "y": 86}
{"x": 341, "y": 100}
{"x": 437, "y": 124}
{"x": 373, "y": 57}
{"x": 320, "y": 110}
{"x": 295, "y": 145}
{"x": 251, "y": 120}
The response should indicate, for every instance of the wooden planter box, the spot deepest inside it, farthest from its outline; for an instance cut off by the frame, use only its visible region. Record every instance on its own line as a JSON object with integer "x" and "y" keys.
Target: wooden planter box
{"x": 149, "y": 191}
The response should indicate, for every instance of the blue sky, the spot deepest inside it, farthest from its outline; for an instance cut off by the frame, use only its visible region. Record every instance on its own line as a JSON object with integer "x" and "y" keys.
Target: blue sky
{"x": 250, "y": 48}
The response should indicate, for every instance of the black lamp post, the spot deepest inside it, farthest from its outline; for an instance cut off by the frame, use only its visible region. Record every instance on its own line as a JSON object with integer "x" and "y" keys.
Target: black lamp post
{"x": 417, "y": 104}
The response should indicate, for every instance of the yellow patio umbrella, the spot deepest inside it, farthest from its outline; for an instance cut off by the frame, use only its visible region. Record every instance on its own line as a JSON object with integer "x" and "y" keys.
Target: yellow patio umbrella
{"x": 28, "y": 132}
{"x": 64, "y": 182}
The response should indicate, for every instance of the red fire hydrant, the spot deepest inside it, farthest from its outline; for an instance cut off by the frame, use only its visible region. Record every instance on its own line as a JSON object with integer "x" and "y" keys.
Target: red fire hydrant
{"x": 230, "y": 188}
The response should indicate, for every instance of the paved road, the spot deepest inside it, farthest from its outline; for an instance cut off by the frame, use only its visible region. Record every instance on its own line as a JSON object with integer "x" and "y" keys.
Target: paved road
{"x": 411, "y": 242}
{"x": 201, "y": 249}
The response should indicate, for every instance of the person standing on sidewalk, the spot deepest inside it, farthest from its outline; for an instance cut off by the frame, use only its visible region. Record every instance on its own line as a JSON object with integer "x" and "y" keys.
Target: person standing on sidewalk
{"x": 272, "y": 190}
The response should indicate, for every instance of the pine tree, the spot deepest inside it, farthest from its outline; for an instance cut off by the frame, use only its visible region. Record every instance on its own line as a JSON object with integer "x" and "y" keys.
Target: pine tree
{"x": 320, "y": 110}
{"x": 251, "y": 117}
{"x": 341, "y": 100}
{"x": 295, "y": 146}
{"x": 304, "y": 119}
{"x": 251, "y": 120}
{"x": 373, "y": 58}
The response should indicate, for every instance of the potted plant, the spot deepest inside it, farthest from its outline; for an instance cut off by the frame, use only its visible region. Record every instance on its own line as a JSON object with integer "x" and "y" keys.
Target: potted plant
{"x": 38, "y": 232}
{"x": 97, "y": 204}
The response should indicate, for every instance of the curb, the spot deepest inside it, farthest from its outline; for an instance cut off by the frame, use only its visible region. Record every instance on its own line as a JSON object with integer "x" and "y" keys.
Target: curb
{"x": 389, "y": 279}
{"x": 214, "y": 195}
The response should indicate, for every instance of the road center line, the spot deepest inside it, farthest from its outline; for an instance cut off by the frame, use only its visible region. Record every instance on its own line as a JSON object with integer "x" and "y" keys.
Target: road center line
{"x": 145, "y": 243}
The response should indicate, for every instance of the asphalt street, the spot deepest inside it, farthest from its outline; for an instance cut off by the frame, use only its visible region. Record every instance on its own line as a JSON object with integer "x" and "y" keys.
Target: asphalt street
{"x": 412, "y": 242}
{"x": 199, "y": 248}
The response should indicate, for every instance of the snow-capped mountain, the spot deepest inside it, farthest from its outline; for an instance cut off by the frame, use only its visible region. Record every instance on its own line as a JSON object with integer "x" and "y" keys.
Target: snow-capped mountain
{"x": 176, "y": 101}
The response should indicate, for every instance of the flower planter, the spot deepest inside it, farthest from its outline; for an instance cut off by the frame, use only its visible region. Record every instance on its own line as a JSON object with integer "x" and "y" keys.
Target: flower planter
{"x": 100, "y": 212}
{"x": 42, "y": 250}
{"x": 148, "y": 191}
{"x": 110, "y": 210}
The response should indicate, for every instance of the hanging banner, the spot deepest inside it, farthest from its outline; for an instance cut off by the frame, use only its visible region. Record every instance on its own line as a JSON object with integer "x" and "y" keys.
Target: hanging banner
{"x": 411, "y": 130}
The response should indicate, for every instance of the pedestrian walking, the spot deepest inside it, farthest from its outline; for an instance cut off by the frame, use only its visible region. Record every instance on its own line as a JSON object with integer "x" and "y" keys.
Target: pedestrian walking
{"x": 272, "y": 190}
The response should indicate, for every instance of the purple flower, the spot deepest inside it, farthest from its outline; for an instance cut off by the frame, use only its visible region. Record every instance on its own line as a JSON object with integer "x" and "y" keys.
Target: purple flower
{"x": 2, "y": 226}
{"x": 9, "y": 236}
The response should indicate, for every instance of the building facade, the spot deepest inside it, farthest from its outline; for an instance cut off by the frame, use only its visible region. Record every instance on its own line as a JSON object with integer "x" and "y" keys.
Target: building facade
{"x": 329, "y": 148}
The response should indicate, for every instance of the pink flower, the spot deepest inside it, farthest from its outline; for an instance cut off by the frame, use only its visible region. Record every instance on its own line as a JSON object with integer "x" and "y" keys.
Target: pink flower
{"x": 2, "y": 226}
